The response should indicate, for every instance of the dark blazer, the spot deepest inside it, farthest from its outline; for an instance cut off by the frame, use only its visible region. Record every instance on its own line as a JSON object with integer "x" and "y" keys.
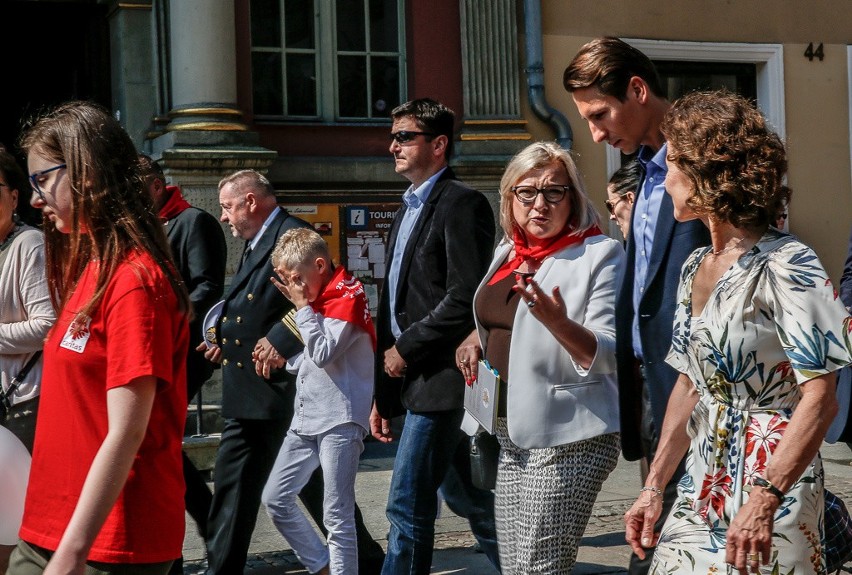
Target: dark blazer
{"x": 446, "y": 256}
{"x": 846, "y": 298}
{"x": 254, "y": 309}
{"x": 846, "y": 279}
{"x": 673, "y": 242}
{"x": 199, "y": 250}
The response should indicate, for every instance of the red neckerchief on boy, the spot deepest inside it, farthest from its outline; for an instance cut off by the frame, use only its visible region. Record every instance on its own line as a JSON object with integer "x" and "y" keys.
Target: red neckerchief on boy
{"x": 535, "y": 254}
{"x": 344, "y": 298}
{"x": 174, "y": 205}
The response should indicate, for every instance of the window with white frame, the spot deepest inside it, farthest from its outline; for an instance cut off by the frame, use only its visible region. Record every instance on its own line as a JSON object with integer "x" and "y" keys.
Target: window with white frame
{"x": 681, "y": 77}
{"x": 327, "y": 60}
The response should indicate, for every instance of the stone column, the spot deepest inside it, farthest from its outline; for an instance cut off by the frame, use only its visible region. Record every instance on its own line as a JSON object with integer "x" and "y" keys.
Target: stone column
{"x": 203, "y": 66}
{"x": 493, "y": 130}
{"x": 204, "y": 138}
{"x": 132, "y": 71}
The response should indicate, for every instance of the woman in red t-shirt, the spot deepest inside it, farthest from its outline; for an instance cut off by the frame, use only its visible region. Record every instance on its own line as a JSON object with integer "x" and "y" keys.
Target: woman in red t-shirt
{"x": 106, "y": 486}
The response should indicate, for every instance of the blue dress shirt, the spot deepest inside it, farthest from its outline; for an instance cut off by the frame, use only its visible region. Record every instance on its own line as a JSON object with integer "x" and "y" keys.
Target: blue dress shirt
{"x": 645, "y": 215}
{"x": 413, "y": 198}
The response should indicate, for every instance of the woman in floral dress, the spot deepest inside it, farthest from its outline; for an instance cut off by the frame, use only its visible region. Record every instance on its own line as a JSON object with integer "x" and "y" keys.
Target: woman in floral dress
{"x": 759, "y": 334}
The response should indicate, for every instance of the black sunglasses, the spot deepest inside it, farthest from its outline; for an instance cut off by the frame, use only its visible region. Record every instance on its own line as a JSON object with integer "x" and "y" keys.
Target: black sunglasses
{"x": 610, "y": 205}
{"x": 405, "y": 136}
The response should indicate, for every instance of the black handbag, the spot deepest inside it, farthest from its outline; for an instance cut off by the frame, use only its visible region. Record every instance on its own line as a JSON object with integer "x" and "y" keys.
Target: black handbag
{"x": 484, "y": 451}
{"x": 837, "y": 547}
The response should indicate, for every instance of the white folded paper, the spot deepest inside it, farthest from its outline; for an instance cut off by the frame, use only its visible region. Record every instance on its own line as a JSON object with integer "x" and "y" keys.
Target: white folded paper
{"x": 481, "y": 398}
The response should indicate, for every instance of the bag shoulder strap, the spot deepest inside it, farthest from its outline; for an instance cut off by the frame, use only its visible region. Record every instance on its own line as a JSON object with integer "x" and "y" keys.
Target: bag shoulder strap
{"x": 13, "y": 385}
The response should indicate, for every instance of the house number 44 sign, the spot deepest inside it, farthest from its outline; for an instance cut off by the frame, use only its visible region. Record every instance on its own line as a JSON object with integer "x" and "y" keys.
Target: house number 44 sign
{"x": 811, "y": 53}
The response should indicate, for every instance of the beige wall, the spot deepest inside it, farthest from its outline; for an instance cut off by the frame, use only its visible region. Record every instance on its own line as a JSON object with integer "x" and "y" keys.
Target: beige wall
{"x": 800, "y": 21}
{"x": 816, "y": 93}
{"x": 818, "y": 150}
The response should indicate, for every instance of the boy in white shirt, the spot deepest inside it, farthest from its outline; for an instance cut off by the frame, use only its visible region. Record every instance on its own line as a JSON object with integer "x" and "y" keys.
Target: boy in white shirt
{"x": 334, "y": 391}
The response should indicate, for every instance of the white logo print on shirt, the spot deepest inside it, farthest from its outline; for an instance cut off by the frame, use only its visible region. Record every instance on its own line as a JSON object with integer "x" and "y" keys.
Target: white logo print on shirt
{"x": 78, "y": 334}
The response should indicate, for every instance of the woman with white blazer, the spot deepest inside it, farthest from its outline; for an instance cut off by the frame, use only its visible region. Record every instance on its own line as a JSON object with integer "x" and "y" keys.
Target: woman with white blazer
{"x": 545, "y": 321}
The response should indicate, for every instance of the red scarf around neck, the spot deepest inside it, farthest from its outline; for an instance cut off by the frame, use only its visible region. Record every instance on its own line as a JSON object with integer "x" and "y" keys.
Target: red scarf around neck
{"x": 174, "y": 205}
{"x": 536, "y": 254}
{"x": 344, "y": 298}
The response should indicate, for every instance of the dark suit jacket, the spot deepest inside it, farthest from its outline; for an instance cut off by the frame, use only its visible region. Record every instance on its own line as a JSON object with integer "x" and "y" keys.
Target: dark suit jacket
{"x": 673, "y": 242}
{"x": 846, "y": 298}
{"x": 198, "y": 248}
{"x": 446, "y": 256}
{"x": 253, "y": 309}
{"x": 846, "y": 279}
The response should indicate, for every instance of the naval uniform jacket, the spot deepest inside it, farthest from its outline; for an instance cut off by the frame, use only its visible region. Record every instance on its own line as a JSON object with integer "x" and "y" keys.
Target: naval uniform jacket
{"x": 199, "y": 251}
{"x": 254, "y": 308}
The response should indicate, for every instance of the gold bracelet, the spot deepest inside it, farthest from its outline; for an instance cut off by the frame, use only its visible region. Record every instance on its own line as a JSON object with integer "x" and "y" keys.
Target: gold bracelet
{"x": 656, "y": 490}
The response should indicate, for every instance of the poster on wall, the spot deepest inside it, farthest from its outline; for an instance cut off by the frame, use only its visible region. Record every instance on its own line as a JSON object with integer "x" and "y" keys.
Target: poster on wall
{"x": 365, "y": 232}
{"x": 326, "y": 221}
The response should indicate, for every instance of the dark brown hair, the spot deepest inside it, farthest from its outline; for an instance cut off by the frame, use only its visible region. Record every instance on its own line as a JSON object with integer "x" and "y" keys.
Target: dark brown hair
{"x": 626, "y": 178}
{"x": 608, "y": 64}
{"x": 735, "y": 163}
{"x": 16, "y": 179}
{"x": 430, "y": 116}
{"x": 150, "y": 170}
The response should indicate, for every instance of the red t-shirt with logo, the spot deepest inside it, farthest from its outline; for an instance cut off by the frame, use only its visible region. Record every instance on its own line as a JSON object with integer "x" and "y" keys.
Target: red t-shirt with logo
{"x": 137, "y": 330}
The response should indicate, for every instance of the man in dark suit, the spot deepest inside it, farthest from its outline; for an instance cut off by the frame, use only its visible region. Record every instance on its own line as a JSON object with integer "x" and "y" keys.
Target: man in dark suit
{"x": 846, "y": 374}
{"x": 199, "y": 251}
{"x": 617, "y": 91}
{"x": 439, "y": 248}
{"x": 846, "y": 280}
{"x": 257, "y": 410}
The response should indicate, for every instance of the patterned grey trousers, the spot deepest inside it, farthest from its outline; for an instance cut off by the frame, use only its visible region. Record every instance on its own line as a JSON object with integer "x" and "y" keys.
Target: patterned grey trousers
{"x": 543, "y": 500}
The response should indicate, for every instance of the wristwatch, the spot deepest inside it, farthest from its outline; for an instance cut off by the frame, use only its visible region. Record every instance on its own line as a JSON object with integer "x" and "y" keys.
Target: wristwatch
{"x": 761, "y": 482}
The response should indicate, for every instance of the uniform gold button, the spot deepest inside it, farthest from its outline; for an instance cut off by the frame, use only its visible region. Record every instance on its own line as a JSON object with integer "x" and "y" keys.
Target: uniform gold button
{"x": 224, "y": 340}
{"x": 224, "y": 362}
{"x": 239, "y": 319}
{"x": 240, "y": 364}
{"x": 250, "y": 296}
{"x": 224, "y": 319}
{"x": 237, "y": 342}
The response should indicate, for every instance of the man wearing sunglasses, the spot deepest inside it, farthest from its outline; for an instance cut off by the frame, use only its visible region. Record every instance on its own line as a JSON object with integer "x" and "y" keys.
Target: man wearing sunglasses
{"x": 618, "y": 92}
{"x": 439, "y": 248}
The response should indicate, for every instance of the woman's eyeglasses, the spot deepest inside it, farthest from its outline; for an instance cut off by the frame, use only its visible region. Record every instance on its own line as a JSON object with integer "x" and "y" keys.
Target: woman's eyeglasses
{"x": 34, "y": 178}
{"x": 610, "y": 205}
{"x": 552, "y": 194}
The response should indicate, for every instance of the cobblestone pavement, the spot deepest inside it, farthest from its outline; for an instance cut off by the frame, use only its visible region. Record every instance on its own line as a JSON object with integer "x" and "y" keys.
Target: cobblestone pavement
{"x": 602, "y": 549}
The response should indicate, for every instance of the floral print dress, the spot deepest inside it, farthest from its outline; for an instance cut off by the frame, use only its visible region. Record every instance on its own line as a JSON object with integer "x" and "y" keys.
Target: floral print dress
{"x": 772, "y": 322}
